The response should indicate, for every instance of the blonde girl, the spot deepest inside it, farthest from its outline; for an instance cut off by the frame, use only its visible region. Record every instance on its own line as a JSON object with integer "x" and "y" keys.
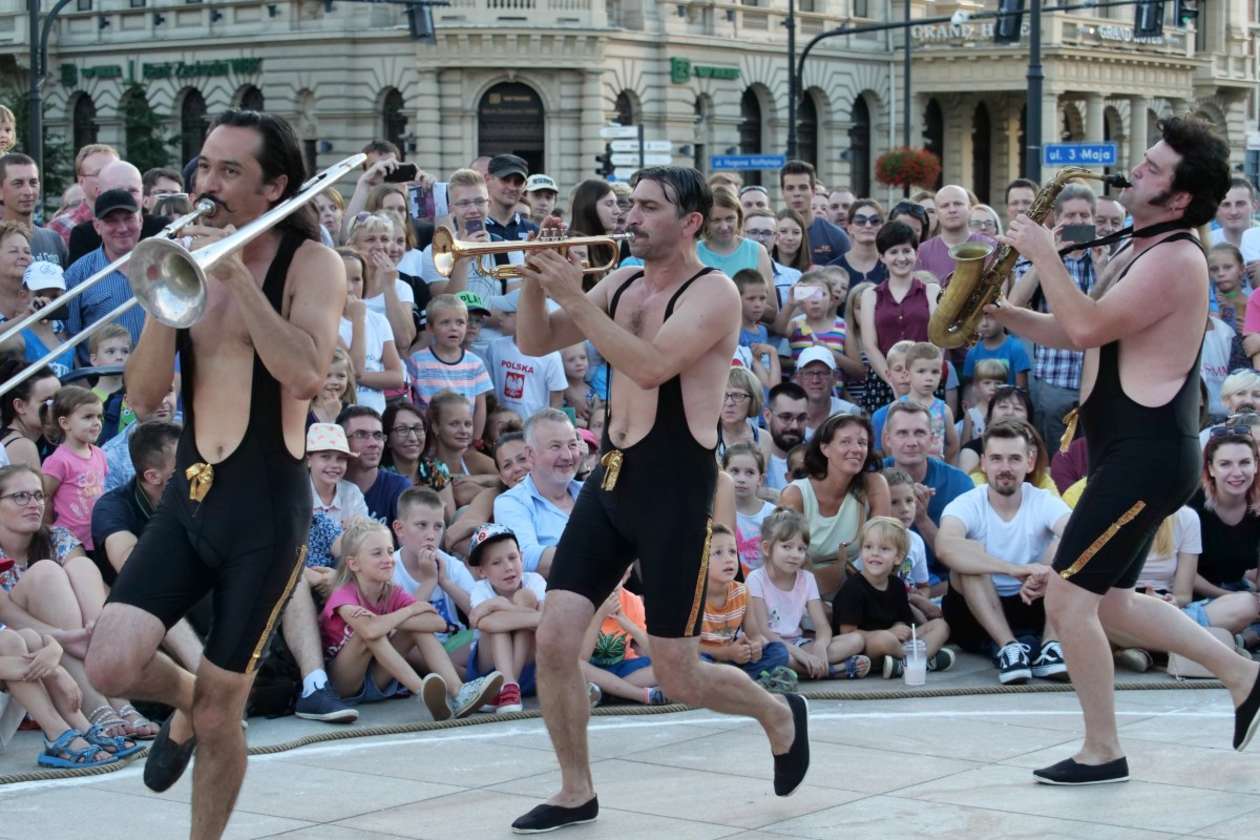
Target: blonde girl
{"x": 367, "y": 335}
{"x": 384, "y": 292}
{"x": 339, "y": 388}
{"x": 74, "y": 475}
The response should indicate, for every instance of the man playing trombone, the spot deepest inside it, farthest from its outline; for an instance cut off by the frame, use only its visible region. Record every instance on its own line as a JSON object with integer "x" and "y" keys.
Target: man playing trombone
{"x": 234, "y": 518}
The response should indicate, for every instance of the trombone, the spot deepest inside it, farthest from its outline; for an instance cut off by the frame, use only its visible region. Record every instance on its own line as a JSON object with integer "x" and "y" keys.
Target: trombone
{"x": 447, "y": 250}
{"x": 167, "y": 279}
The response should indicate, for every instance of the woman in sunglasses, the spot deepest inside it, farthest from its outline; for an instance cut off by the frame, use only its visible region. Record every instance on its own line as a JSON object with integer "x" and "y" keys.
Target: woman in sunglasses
{"x": 862, "y": 261}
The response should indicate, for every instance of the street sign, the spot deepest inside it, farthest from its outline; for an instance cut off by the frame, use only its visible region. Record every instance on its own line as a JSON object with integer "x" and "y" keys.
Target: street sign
{"x": 1079, "y": 154}
{"x": 615, "y": 132}
{"x": 626, "y": 158}
{"x": 657, "y": 146}
{"x": 624, "y": 173}
{"x": 746, "y": 162}
{"x": 625, "y": 146}
{"x": 657, "y": 160}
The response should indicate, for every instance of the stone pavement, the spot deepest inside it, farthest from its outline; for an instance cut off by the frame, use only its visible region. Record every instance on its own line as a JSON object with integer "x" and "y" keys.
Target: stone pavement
{"x": 910, "y": 768}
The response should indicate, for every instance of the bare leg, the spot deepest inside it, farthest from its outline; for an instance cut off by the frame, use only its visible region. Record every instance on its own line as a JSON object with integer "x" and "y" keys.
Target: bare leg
{"x": 883, "y": 643}
{"x": 299, "y": 623}
{"x": 844, "y": 645}
{"x": 562, "y": 692}
{"x": 615, "y": 686}
{"x": 1088, "y": 655}
{"x": 435, "y": 659}
{"x": 182, "y": 643}
{"x": 30, "y": 693}
{"x": 218, "y": 705}
{"x": 1234, "y": 611}
{"x": 522, "y": 650}
{"x": 497, "y": 650}
{"x": 89, "y": 589}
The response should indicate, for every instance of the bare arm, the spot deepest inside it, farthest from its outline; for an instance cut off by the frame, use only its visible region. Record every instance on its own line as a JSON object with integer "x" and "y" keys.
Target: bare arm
{"x": 147, "y": 375}
{"x": 1039, "y": 327}
{"x": 767, "y": 271}
{"x": 967, "y": 556}
{"x": 391, "y": 376}
{"x": 866, "y": 316}
{"x": 507, "y": 620}
{"x": 951, "y": 437}
{"x": 1025, "y": 287}
{"x": 757, "y": 619}
{"x": 1183, "y": 579}
{"x": 118, "y": 547}
{"x": 539, "y": 332}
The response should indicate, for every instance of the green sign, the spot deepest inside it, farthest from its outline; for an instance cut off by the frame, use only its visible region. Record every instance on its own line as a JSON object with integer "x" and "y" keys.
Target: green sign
{"x": 69, "y": 75}
{"x": 185, "y": 70}
{"x": 681, "y": 70}
{"x": 105, "y": 71}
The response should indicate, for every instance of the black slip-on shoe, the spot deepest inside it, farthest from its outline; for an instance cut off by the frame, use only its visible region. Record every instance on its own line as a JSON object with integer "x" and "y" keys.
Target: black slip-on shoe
{"x": 167, "y": 760}
{"x": 1071, "y": 772}
{"x": 546, "y": 818}
{"x": 1246, "y": 717}
{"x": 791, "y": 767}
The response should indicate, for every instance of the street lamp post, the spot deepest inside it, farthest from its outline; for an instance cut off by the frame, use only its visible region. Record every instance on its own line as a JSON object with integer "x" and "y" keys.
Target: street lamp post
{"x": 793, "y": 81}
{"x": 905, "y": 104}
{"x": 39, "y": 69}
{"x": 1032, "y": 123}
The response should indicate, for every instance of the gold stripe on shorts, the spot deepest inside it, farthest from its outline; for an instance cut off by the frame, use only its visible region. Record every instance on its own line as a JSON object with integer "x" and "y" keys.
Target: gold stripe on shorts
{"x": 1097, "y": 545}
{"x": 275, "y": 611}
{"x": 701, "y": 578}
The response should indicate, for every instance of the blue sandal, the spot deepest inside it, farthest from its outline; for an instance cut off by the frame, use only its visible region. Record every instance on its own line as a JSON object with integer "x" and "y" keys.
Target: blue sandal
{"x": 116, "y": 745}
{"x": 854, "y": 668}
{"x": 58, "y": 754}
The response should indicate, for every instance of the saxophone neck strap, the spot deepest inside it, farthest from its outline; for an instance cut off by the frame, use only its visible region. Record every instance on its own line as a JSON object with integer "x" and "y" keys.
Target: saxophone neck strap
{"x": 1112, "y": 238}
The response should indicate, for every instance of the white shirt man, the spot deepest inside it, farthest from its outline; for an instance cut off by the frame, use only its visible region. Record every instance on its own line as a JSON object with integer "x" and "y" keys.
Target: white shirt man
{"x": 989, "y": 538}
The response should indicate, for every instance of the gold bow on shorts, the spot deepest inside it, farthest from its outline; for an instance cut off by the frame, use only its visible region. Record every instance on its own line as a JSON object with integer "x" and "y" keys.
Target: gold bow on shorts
{"x": 200, "y": 478}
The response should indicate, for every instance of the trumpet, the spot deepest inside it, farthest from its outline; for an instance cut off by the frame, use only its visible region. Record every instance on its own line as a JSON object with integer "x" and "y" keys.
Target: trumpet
{"x": 167, "y": 280}
{"x": 447, "y": 251}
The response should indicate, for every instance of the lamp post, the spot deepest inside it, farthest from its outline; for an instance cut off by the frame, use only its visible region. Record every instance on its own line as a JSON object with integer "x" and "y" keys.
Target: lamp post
{"x": 1032, "y": 122}
{"x": 793, "y": 81}
{"x": 905, "y": 104}
{"x": 39, "y": 68}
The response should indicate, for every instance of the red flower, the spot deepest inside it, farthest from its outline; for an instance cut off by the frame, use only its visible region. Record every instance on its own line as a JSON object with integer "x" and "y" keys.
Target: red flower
{"x": 908, "y": 167}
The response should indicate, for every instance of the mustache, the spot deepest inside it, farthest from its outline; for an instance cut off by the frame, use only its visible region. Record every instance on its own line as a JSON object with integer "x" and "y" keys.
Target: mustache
{"x": 219, "y": 203}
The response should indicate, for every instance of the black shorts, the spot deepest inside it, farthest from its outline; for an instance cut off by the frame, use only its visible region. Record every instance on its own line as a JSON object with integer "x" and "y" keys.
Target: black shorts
{"x": 966, "y": 632}
{"x": 659, "y": 512}
{"x": 243, "y": 545}
{"x": 1132, "y": 489}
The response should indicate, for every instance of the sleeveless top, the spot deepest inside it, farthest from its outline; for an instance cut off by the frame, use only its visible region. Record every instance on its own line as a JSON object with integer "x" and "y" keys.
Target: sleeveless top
{"x": 744, "y": 256}
{"x": 900, "y": 321}
{"x": 827, "y": 534}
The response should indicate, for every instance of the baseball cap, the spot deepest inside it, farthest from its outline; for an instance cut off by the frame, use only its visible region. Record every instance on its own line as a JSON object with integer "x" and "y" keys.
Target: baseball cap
{"x": 473, "y": 302}
{"x": 540, "y": 182}
{"x": 41, "y": 275}
{"x": 111, "y": 200}
{"x": 816, "y": 354}
{"x": 501, "y": 165}
{"x": 327, "y": 437}
{"x": 485, "y": 535}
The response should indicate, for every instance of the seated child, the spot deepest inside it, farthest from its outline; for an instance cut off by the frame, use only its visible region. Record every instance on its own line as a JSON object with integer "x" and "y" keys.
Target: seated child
{"x": 783, "y": 592}
{"x": 111, "y": 346}
{"x": 506, "y": 609}
{"x": 876, "y": 607}
{"x": 368, "y": 624}
{"x": 745, "y": 464}
{"x": 620, "y": 662}
{"x": 913, "y": 571}
{"x": 723, "y": 637}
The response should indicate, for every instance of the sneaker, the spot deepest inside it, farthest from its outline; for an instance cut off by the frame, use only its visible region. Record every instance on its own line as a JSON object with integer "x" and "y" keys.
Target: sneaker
{"x": 943, "y": 661}
{"x": 324, "y": 705}
{"x": 893, "y": 667}
{"x": 433, "y": 694}
{"x": 509, "y": 699}
{"x": 1133, "y": 659}
{"x": 1012, "y": 664}
{"x": 595, "y": 694}
{"x": 656, "y": 697}
{"x": 476, "y": 693}
{"x": 1049, "y": 664}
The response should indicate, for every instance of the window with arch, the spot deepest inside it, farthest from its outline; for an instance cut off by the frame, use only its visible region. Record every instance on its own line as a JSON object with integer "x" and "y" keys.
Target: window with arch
{"x": 511, "y": 120}
{"x": 251, "y": 99}
{"x": 394, "y": 119}
{"x": 750, "y": 131}
{"x": 627, "y": 114}
{"x": 934, "y": 134}
{"x": 700, "y": 149}
{"x": 192, "y": 124}
{"x": 84, "y": 119}
{"x": 860, "y": 147}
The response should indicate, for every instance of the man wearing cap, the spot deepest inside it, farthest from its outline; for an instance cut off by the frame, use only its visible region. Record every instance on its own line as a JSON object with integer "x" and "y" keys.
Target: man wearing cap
{"x": 541, "y": 194}
{"x": 117, "y": 222}
{"x": 816, "y": 374}
{"x": 19, "y": 189}
{"x": 505, "y": 184}
{"x": 117, "y": 175}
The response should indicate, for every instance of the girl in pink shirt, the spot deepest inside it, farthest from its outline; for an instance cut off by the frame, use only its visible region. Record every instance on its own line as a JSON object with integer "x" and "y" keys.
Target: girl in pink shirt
{"x": 75, "y": 473}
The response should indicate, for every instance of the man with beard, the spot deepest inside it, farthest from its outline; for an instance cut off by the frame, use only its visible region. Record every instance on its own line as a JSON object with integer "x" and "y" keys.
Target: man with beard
{"x": 989, "y": 538}
{"x": 538, "y": 508}
{"x": 786, "y": 413}
{"x": 381, "y": 488}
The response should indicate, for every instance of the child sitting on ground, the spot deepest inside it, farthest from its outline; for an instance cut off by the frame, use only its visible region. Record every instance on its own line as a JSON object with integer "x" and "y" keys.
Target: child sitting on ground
{"x": 874, "y": 605}
{"x": 506, "y": 609}
{"x": 723, "y": 637}
{"x": 783, "y": 592}
{"x": 368, "y": 625}
{"x": 745, "y": 464}
{"x": 109, "y": 347}
{"x": 619, "y": 661}
{"x": 913, "y": 571}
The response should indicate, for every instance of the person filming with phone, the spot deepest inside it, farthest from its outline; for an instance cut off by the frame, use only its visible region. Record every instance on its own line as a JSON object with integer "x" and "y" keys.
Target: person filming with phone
{"x": 387, "y": 169}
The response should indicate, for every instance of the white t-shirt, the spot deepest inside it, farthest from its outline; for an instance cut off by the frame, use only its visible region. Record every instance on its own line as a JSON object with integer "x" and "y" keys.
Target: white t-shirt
{"x": 347, "y": 502}
{"x": 439, "y": 598}
{"x": 776, "y": 472}
{"x": 1250, "y": 244}
{"x": 1022, "y": 541}
{"x": 376, "y": 332}
{"x": 377, "y": 303}
{"x": 838, "y": 406}
{"x": 784, "y": 609}
{"x": 482, "y": 591}
{"x": 749, "y": 537}
{"x": 1214, "y": 363}
{"x": 914, "y": 569}
{"x": 523, "y": 383}
{"x": 1158, "y": 572}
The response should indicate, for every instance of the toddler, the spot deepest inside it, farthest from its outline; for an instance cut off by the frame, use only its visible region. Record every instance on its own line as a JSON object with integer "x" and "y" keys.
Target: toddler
{"x": 446, "y": 365}
{"x": 924, "y": 361}
{"x": 74, "y": 475}
{"x": 339, "y": 389}
{"x": 110, "y": 347}
{"x": 994, "y": 343}
{"x": 899, "y": 377}
{"x": 578, "y": 394}
{"x": 990, "y": 374}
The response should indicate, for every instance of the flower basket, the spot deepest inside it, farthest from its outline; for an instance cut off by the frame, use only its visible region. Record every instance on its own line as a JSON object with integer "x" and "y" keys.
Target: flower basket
{"x": 907, "y": 167}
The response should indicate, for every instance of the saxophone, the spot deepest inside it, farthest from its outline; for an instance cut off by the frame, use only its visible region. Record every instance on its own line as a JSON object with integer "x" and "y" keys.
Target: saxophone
{"x": 972, "y": 287}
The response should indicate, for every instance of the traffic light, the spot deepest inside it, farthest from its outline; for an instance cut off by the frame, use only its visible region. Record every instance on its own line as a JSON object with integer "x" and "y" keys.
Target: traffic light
{"x": 1148, "y": 19}
{"x": 605, "y": 161}
{"x": 420, "y": 22}
{"x": 1185, "y": 11}
{"x": 1006, "y": 29}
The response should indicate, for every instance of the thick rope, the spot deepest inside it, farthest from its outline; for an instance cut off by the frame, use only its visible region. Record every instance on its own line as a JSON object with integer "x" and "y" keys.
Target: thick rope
{"x": 330, "y": 735}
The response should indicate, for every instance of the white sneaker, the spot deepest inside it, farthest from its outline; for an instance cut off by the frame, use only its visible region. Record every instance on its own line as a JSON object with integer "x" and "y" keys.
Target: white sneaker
{"x": 476, "y": 693}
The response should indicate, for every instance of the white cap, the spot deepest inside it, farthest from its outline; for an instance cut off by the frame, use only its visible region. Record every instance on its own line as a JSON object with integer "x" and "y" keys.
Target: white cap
{"x": 816, "y": 354}
{"x": 41, "y": 275}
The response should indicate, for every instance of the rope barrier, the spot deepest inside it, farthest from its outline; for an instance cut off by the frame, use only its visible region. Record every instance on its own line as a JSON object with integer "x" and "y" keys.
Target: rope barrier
{"x": 331, "y": 735}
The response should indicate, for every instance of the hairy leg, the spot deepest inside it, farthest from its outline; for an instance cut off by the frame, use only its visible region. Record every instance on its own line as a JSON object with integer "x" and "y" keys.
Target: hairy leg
{"x": 218, "y": 705}
{"x": 1075, "y": 611}
{"x": 562, "y": 692}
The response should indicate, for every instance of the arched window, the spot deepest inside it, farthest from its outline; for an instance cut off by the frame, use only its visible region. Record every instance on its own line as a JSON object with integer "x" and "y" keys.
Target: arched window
{"x": 510, "y": 120}
{"x": 860, "y": 148}
{"x": 750, "y": 131}
{"x": 192, "y": 124}
{"x": 627, "y": 114}
{"x": 934, "y": 134}
{"x": 807, "y": 130}
{"x": 85, "y": 127}
{"x": 981, "y": 132}
{"x": 394, "y": 119}
{"x": 251, "y": 99}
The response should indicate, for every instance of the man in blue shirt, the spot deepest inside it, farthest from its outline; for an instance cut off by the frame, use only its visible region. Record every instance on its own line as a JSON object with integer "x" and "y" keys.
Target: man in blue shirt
{"x": 538, "y": 508}
{"x": 506, "y": 184}
{"x": 826, "y": 241}
{"x": 908, "y": 439}
{"x": 118, "y": 223}
{"x": 381, "y": 488}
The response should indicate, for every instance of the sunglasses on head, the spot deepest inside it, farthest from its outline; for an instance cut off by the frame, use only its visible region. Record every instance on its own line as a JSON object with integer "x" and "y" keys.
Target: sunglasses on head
{"x": 1222, "y": 431}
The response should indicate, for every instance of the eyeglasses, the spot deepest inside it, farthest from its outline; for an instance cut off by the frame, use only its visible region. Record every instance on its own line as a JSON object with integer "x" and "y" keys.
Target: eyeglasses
{"x": 982, "y": 224}
{"x": 365, "y": 436}
{"x": 814, "y": 374}
{"x": 409, "y": 431}
{"x": 24, "y": 497}
{"x": 471, "y": 202}
{"x": 735, "y": 397}
{"x": 863, "y": 221}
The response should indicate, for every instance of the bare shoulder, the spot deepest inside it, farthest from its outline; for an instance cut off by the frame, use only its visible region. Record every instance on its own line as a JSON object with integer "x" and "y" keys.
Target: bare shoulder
{"x": 713, "y": 290}
{"x": 603, "y": 291}
{"x": 790, "y": 497}
{"x": 320, "y": 274}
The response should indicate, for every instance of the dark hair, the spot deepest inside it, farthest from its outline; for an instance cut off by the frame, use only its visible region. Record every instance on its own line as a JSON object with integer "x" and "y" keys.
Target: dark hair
{"x": 816, "y": 462}
{"x": 720, "y": 530}
{"x": 387, "y": 424}
{"x": 1012, "y": 428}
{"x": 381, "y": 147}
{"x": 893, "y": 234}
{"x": 584, "y": 217}
{"x": 352, "y": 411}
{"x": 504, "y": 440}
{"x": 1203, "y": 170}
{"x": 798, "y": 167}
{"x": 787, "y": 389}
{"x": 1004, "y": 393}
{"x": 690, "y": 192}
{"x": 805, "y": 254}
{"x": 150, "y": 178}
{"x": 746, "y": 277}
{"x": 1021, "y": 183}
{"x": 279, "y": 155}
{"x": 148, "y": 441}
{"x": 10, "y": 367}
{"x": 863, "y": 202}
{"x": 41, "y": 547}
{"x": 14, "y": 159}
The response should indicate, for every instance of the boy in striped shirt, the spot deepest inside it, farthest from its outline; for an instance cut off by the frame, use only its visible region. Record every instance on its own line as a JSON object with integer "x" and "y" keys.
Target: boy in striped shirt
{"x": 446, "y": 365}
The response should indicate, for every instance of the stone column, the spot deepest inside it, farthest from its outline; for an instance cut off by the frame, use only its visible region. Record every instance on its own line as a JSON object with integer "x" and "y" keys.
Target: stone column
{"x": 425, "y": 119}
{"x": 1051, "y": 124}
{"x": 592, "y": 119}
{"x": 1095, "y": 128}
{"x": 1137, "y": 128}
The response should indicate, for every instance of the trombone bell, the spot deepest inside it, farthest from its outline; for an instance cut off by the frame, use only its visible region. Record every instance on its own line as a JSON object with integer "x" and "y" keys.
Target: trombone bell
{"x": 169, "y": 285}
